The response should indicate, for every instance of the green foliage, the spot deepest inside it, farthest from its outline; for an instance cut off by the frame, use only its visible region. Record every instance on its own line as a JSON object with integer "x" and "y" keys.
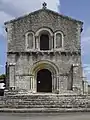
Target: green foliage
{"x": 3, "y": 76}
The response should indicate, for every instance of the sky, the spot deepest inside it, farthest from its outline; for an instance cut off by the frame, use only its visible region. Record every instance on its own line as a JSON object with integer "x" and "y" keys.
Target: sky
{"x": 78, "y": 9}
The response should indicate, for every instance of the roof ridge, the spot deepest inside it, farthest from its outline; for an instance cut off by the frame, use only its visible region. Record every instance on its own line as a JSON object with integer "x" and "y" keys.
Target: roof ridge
{"x": 64, "y": 16}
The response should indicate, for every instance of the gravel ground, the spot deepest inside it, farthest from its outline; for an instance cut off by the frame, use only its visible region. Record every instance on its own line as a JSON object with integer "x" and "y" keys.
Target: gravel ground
{"x": 62, "y": 116}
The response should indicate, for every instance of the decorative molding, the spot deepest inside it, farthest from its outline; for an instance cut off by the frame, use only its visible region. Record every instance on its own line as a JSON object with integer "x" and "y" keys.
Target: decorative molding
{"x": 12, "y": 64}
{"x": 41, "y": 30}
{"x": 44, "y": 64}
{"x": 24, "y": 75}
{"x": 46, "y": 52}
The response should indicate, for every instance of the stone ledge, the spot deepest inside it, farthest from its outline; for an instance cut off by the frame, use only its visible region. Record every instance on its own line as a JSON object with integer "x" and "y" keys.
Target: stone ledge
{"x": 35, "y": 52}
{"x": 43, "y": 110}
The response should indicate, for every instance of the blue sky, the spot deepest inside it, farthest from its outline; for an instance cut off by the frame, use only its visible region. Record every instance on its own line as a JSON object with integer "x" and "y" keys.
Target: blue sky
{"x": 78, "y": 9}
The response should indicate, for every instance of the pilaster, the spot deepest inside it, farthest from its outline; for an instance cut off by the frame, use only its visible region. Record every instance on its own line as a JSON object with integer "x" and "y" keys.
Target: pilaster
{"x": 12, "y": 75}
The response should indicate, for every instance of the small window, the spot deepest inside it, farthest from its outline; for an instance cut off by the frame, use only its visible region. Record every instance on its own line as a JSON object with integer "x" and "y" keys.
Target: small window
{"x": 29, "y": 40}
{"x": 58, "y": 40}
{"x": 44, "y": 39}
{"x": 44, "y": 42}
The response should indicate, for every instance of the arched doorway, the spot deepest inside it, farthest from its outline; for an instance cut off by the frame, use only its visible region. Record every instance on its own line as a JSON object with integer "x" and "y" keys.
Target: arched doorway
{"x": 44, "y": 81}
{"x": 44, "y": 42}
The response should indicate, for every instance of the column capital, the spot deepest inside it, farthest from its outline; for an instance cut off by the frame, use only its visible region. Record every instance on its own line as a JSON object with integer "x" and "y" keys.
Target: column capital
{"x": 12, "y": 64}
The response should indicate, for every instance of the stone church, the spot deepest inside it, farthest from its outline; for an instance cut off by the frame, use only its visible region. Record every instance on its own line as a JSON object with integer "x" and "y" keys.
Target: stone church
{"x": 44, "y": 53}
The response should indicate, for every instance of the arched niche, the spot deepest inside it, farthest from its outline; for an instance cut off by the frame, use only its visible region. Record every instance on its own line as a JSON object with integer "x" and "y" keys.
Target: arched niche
{"x": 44, "y": 37}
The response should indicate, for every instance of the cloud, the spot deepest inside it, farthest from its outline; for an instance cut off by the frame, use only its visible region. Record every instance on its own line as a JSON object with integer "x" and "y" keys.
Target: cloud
{"x": 18, "y": 7}
{"x": 1, "y": 66}
{"x": 10, "y": 9}
{"x": 4, "y": 17}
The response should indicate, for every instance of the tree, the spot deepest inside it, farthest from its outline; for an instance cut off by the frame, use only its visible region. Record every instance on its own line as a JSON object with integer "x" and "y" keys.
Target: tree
{"x": 3, "y": 76}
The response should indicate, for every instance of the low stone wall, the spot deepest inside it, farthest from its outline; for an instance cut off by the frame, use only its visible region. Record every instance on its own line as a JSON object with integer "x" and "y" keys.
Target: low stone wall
{"x": 44, "y": 101}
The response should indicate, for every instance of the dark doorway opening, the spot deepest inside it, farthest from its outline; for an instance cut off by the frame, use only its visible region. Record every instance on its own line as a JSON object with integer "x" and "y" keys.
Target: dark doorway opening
{"x": 44, "y": 42}
{"x": 44, "y": 81}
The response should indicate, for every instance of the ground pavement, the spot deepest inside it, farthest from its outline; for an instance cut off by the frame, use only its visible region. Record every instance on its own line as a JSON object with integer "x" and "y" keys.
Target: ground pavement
{"x": 61, "y": 116}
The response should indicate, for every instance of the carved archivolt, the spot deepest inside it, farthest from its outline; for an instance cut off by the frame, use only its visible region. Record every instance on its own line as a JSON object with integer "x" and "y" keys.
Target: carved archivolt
{"x": 44, "y": 65}
{"x": 44, "y": 30}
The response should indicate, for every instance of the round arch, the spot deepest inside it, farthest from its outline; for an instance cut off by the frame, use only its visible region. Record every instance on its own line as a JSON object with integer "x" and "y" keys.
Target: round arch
{"x": 41, "y": 30}
{"x": 44, "y": 65}
{"x": 49, "y": 43}
{"x": 62, "y": 37}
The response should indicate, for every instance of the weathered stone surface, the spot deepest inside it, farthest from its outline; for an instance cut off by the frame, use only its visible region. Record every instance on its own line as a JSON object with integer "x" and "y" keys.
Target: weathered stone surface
{"x": 40, "y": 19}
{"x": 59, "y": 62}
{"x": 45, "y": 101}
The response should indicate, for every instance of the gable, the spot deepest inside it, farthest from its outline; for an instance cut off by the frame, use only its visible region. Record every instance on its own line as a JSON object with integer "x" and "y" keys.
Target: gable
{"x": 47, "y": 11}
{"x": 43, "y": 18}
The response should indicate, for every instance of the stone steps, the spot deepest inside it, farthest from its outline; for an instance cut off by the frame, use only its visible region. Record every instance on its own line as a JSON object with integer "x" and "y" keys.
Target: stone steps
{"x": 44, "y": 101}
{"x": 41, "y": 110}
{"x": 41, "y": 106}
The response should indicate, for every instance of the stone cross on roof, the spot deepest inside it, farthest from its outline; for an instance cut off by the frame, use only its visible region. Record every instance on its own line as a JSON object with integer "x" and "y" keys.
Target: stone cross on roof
{"x": 44, "y": 5}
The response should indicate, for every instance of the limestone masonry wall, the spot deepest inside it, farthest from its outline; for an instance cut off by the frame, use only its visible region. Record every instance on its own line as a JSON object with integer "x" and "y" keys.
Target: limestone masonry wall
{"x": 21, "y": 61}
{"x": 43, "y": 18}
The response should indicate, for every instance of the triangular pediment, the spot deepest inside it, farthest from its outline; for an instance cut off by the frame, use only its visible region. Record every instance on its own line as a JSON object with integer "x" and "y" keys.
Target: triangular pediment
{"x": 45, "y": 11}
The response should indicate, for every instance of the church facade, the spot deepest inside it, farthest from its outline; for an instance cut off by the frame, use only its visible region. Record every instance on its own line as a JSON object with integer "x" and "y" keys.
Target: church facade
{"x": 44, "y": 53}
